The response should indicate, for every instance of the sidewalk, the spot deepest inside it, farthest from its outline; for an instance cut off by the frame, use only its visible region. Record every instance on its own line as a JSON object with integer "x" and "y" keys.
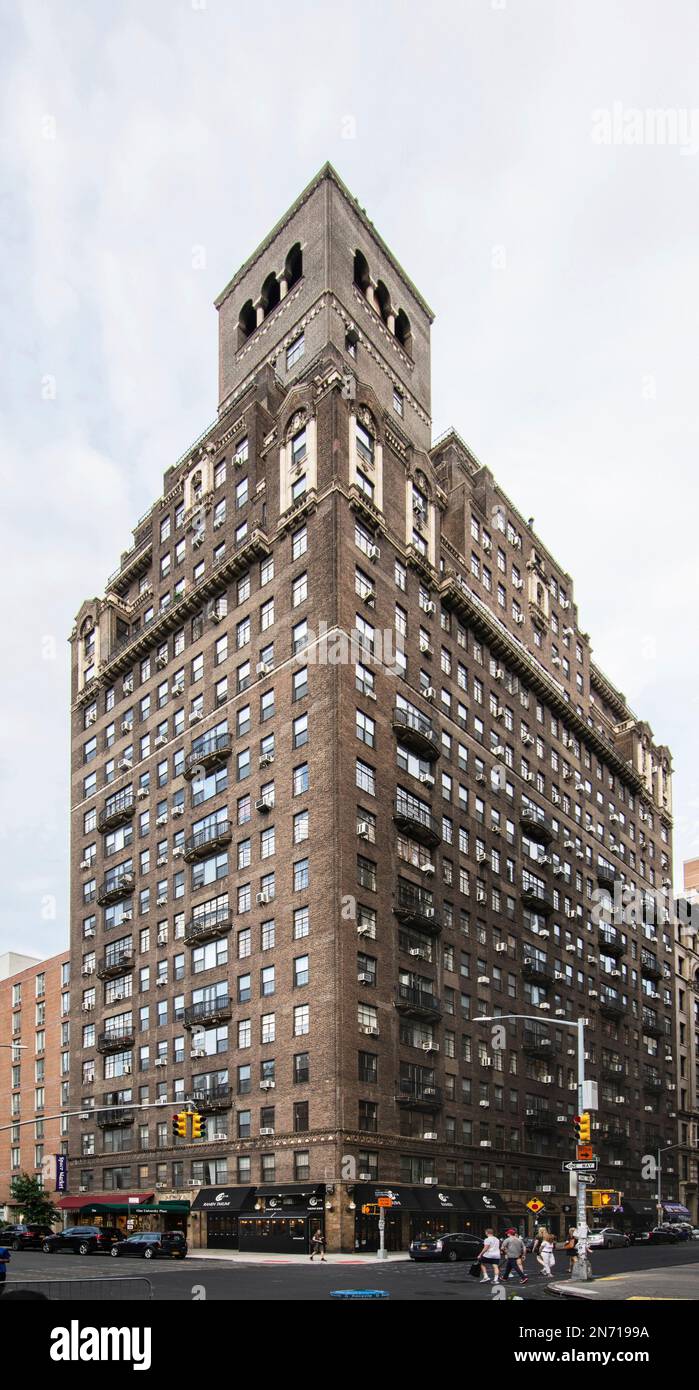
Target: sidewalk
{"x": 258, "y": 1257}
{"x": 678, "y": 1282}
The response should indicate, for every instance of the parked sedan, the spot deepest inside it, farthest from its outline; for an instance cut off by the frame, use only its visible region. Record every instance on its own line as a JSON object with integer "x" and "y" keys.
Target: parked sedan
{"x": 456, "y": 1246}
{"x": 29, "y": 1237}
{"x": 608, "y": 1239}
{"x": 150, "y": 1245}
{"x": 84, "y": 1240}
{"x": 657, "y": 1235}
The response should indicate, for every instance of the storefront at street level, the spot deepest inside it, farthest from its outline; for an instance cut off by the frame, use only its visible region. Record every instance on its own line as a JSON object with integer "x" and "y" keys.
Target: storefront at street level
{"x": 128, "y": 1211}
{"x": 278, "y": 1219}
{"x": 429, "y": 1210}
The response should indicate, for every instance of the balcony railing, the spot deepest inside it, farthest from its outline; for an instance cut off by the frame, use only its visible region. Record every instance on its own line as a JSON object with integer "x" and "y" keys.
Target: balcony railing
{"x": 112, "y": 965}
{"x": 117, "y": 811}
{"x": 606, "y": 875}
{"x": 536, "y": 1044}
{"x": 208, "y": 1011}
{"x": 537, "y": 823}
{"x": 539, "y": 1117}
{"x": 538, "y": 898}
{"x": 417, "y": 733}
{"x": 652, "y": 1024}
{"x": 652, "y": 1081}
{"x": 115, "y": 1116}
{"x": 208, "y": 926}
{"x": 217, "y": 1097}
{"x": 420, "y": 1003}
{"x": 113, "y": 1041}
{"x": 203, "y": 841}
{"x": 610, "y": 941}
{"x": 650, "y": 967}
{"x": 410, "y": 816}
{"x": 112, "y": 889}
{"x": 538, "y": 970}
{"x": 210, "y": 752}
{"x": 612, "y": 1071}
{"x": 421, "y": 1095}
{"x": 611, "y": 1133}
{"x": 612, "y": 1005}
{"x": 414, "y": 905}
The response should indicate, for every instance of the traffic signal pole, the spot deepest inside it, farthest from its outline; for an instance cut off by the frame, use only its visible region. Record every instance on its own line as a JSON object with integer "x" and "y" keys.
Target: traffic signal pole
{"x": 581, "y": 1263}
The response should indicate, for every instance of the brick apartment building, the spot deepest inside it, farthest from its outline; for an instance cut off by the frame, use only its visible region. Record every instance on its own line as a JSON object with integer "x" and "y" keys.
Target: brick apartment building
{"x": 344, "y": 778}
{"x": 687, "y": 1041}
{"x": 35, "y": 1059}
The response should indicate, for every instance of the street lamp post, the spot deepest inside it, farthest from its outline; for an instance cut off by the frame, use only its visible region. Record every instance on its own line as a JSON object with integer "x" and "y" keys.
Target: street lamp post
{"x": 581, "y": 1263}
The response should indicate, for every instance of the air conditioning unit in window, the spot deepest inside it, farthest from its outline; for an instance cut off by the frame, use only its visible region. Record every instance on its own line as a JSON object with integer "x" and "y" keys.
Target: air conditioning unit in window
{"x": 518, "y": 619}
{"x": 481, "y": 857}
{"x": 124, "y": 764}
{"x": 527, "y": 738}
{"x": 429, "y": 607}
{"x": 364, "y": 931}
{"x": 89, "y": 933}
{"x": 371, "y": 1031}
{"x": 364, "y": 978}
{"x": 85, "y": 864}
{"x": 161, "y": 901}
{"x": 374, "y": 552}
{"x": 88, "y": 970}
{"x": 128, "y": 686}
{"x": 486, "y": 1061}
{"x": 263, "y": 898}
{"x": 267, "y": 1129}
{"x": 266, "y": 760}
{"x": 161, "y": 1061}
{"x": 501, "y": 947}
{"x": 267, "y": 1085}
{"x": 480, "y": 896}
{"x": 565, "y": 603}
{"x": 161, "y": 660}
{"x": 127, "y": 915}
{"x": 429, "y": 692}
{"x": 142, "y": 793}
{"x": 198, "y": 539}
{"x": 126, "y": 726}
{"x": 558, "y": 975}
{"x": 426, "y": 779}
{"x": 480, "y": 777}
{"x": 483, "y": 979}
{"x": 161, "y": 819}
{"x": 430, "y": 1047}
{"x": 178, "y": 810}
{"x": 518, "y": 583}
{"x": 427, "y": 869}
{"x": 177, "y": 688}
{"x": 82, "y": 1188}
{"x": 196, "y": 1053}
{"x": 195, "y": 716}
{"x": 264, "y": 803}
{"x": 91, "y": 718}
{"x": 162, "y": 938}
{"x": 219, "y": 522}
{"x": 363, "y": 829}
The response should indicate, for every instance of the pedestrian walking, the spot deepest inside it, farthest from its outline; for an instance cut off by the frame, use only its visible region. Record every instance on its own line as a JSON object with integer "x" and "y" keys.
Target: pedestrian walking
{"x": 318, "y": 1246}
{"x": 489, "y": 1257}
{"x": 546, "y": 1254}
{"x": 571, "y": 1246}
{"x": 513, "y": 1250}
{"x": 4, "y": 1261}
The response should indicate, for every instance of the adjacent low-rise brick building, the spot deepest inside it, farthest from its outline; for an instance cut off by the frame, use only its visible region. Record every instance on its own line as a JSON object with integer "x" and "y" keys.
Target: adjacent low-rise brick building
{"x": 345, "y": 777}
{"x": 35, "y": 1059}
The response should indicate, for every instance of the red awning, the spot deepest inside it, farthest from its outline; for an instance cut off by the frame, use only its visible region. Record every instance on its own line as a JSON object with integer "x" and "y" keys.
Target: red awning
{"x": 109, "y": 1199}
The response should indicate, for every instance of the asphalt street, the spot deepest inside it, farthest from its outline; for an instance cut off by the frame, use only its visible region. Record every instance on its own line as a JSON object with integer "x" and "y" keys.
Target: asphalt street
{"x": 198, "y": 1279}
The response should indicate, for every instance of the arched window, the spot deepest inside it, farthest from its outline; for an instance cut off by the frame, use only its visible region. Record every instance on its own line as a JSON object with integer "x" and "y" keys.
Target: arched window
{"x": 403, "y": 332}
{"x": 247, "y": 321}
{"x": 269, "y": 296}
{"x": 383, "y": 300}
{"x": 362, "y": 278}
{"x": 293, "y": 266}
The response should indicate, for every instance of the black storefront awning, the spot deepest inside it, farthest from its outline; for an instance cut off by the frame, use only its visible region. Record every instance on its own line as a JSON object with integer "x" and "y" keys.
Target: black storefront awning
{"x": 290, "y": 1199}
{"x": 403, "y": 1198}
{"x": 485, "y": 1202}
{"x": 433, "y": 1200}
{"x": 223, "y": 1199}
{"x": 647, "y": 1210}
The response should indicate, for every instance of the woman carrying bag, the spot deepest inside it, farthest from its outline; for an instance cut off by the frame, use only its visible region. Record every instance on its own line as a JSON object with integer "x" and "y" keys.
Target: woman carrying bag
{"x": 545, "y": 1254}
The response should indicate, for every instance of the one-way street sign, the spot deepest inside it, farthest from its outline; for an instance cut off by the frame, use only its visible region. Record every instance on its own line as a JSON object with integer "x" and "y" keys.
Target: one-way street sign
{"x": 580, "y": 1166}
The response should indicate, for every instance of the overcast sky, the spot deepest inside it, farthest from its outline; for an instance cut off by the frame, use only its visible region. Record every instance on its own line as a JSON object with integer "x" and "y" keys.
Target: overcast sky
{"x": 147, "y": 149}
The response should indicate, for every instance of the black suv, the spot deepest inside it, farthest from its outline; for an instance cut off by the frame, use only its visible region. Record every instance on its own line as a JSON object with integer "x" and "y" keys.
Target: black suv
{"x": 151, "y": 1244}
{"x": 457, "y": 1246}
{"x": 84, "y": 1240}
{"x": 29, "y": 1237}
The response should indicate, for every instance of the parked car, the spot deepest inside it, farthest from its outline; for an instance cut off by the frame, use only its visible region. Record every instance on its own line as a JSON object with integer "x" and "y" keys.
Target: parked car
{"x": 149, "y": 1245}
{"x": 608, "y": 1239}
{"x": 455, "y": 1246}
{"x": 679, "y": 1229}
{"x": 29, "y": 1237}
{"x": 83, "y": 1240}
{"x": 657, "y": 1235}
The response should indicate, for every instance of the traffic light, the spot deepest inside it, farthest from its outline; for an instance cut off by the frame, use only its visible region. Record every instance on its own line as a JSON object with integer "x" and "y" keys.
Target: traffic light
{"x": 179, "y": 1125}
{"x": 198, "y": 1126}
{"x": 601, "y": 1197}
{"x": 583, "y": 1128}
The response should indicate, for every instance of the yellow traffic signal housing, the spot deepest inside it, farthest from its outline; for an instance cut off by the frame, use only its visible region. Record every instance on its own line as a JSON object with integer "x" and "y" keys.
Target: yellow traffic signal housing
{"x": 602, "y": 1197}
{"x": 583, "y": 1128}
{"x": 179, "y": 1125}
{"x": 198, "y": 1126}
